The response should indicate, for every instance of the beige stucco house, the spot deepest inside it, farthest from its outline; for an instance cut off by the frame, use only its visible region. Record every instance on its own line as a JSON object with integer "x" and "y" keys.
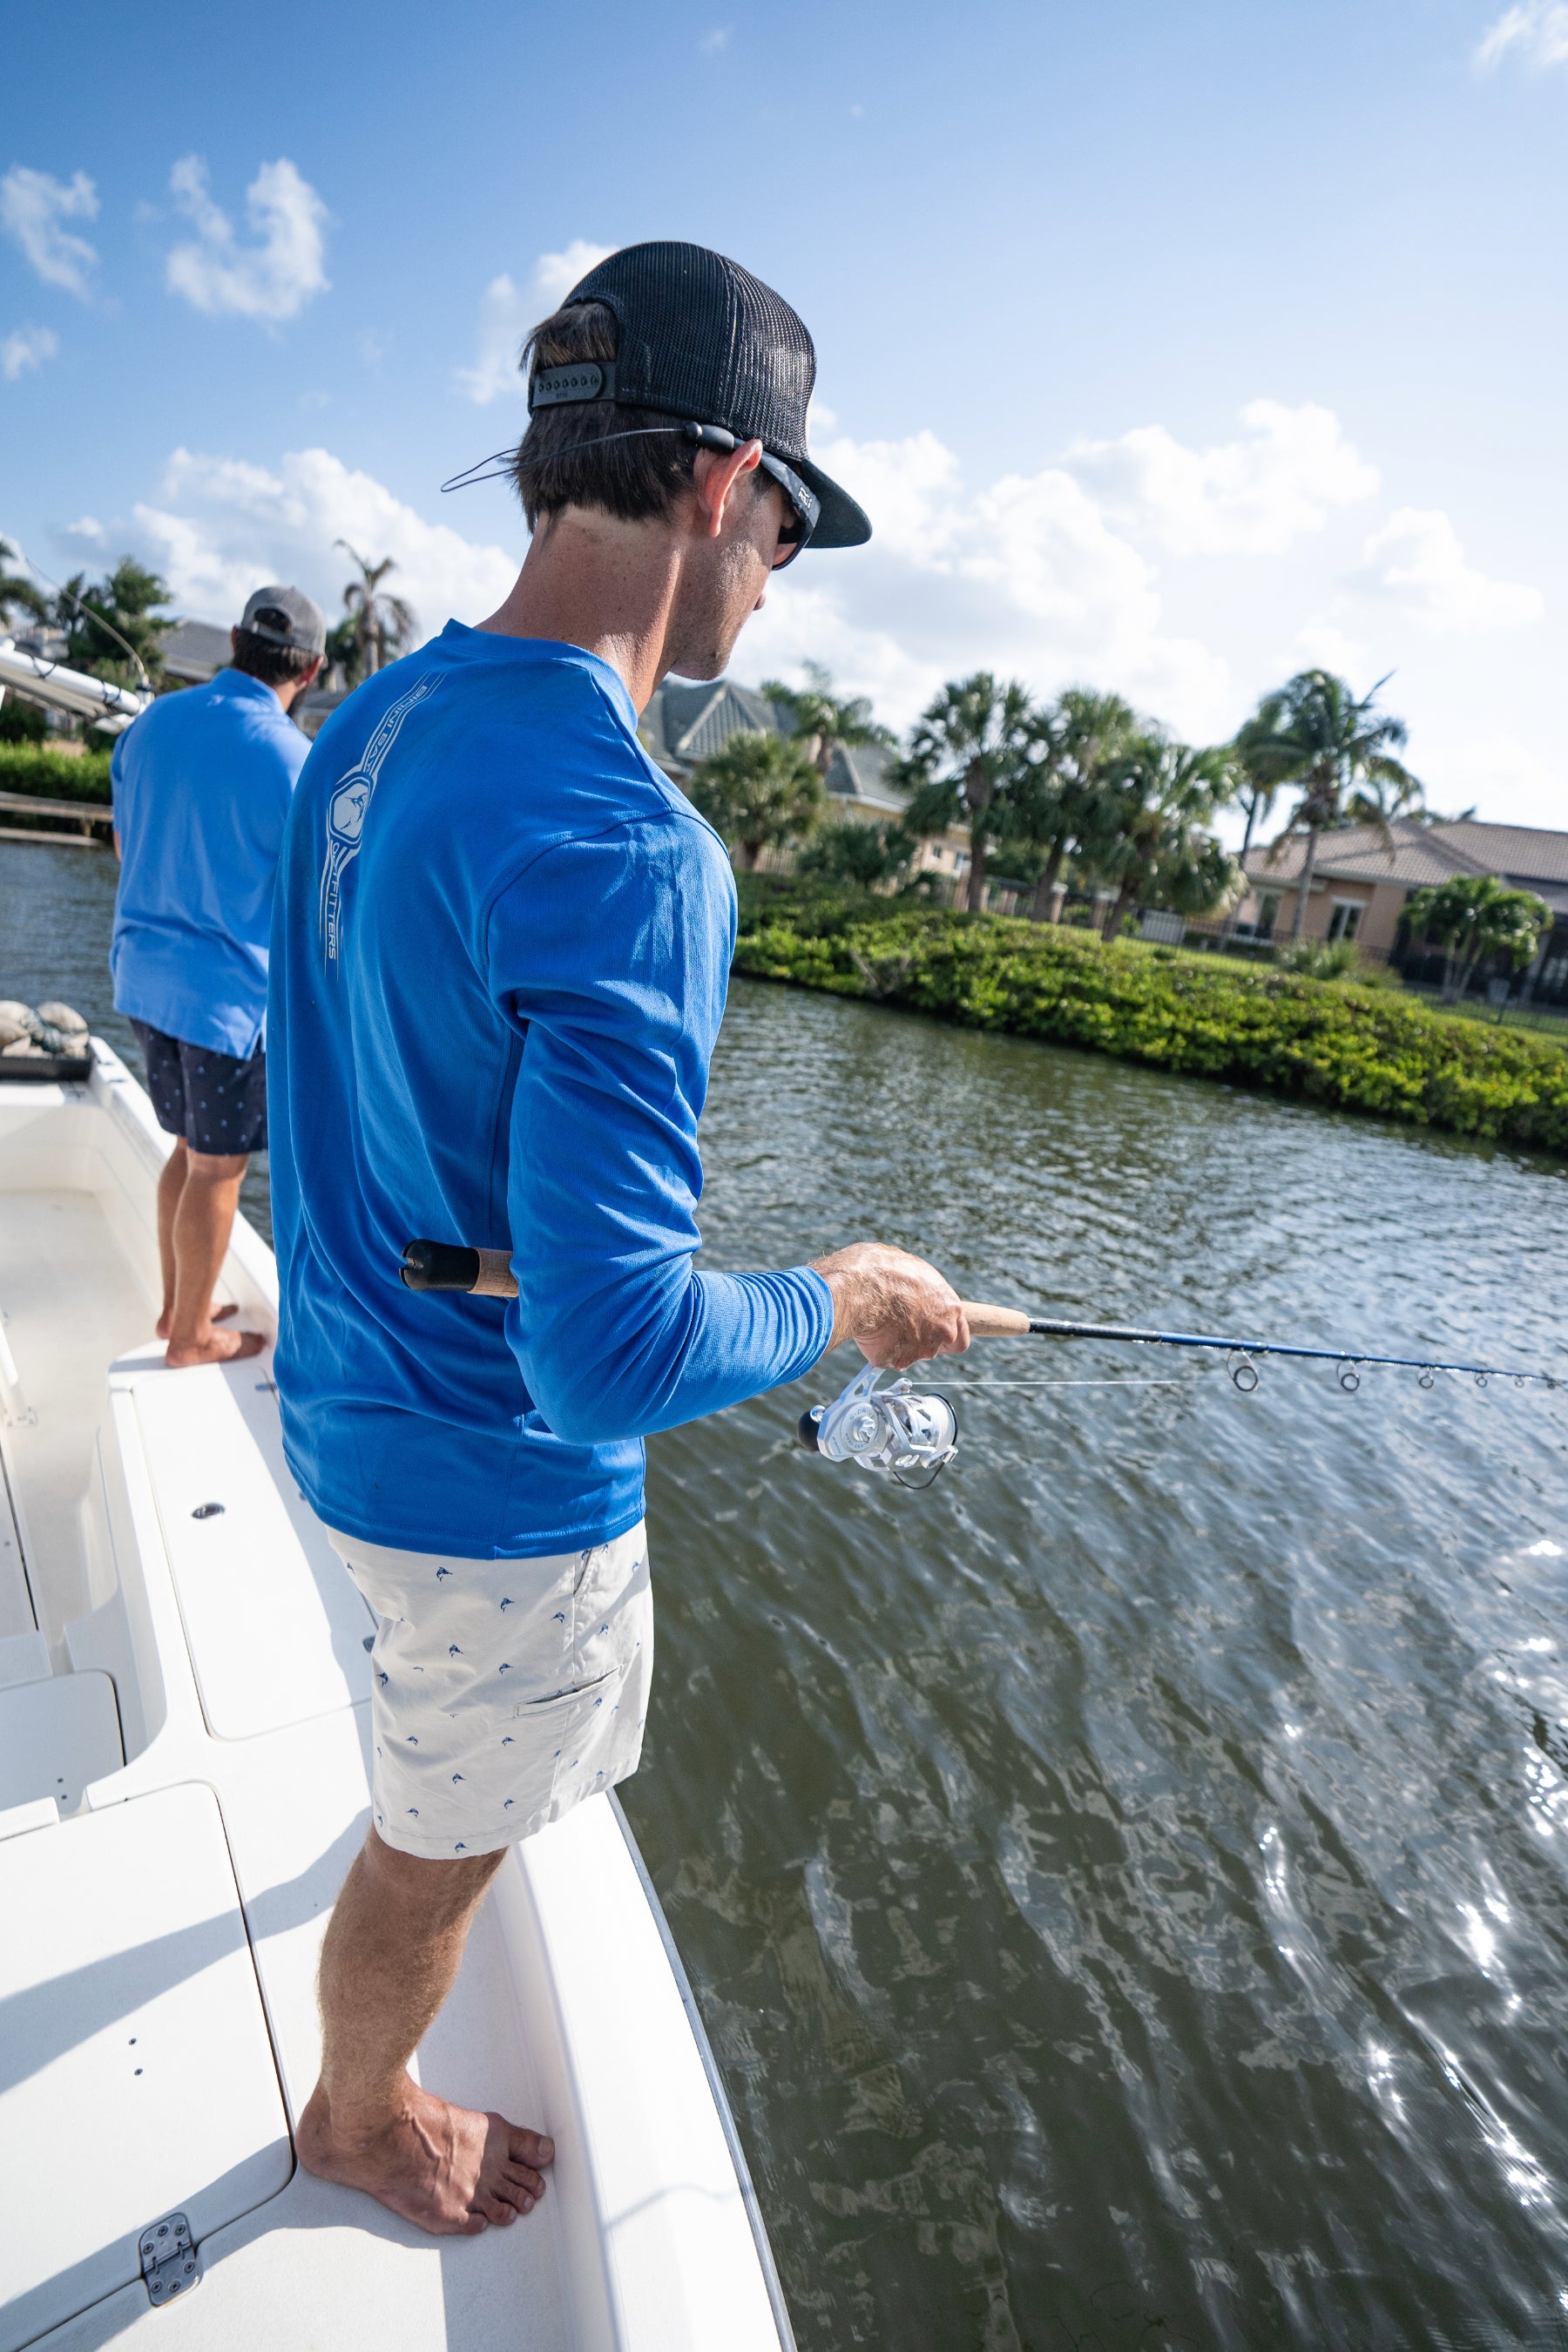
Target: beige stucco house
{"x": 1361, "y": 883}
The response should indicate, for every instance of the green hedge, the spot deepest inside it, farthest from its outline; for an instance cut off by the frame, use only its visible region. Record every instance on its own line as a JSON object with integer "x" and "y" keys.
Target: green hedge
{"x": 1353, "y": 1048}
{"x": 54, "y": 775}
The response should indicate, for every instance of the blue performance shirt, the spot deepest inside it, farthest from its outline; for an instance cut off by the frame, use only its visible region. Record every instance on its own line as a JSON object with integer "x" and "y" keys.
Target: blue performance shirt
{"x": 500, "y": 958}
{"x": 202, "y": 785}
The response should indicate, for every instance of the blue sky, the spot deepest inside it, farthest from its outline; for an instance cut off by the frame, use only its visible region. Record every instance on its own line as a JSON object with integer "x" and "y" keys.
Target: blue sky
{"x": 1170, "y": 348}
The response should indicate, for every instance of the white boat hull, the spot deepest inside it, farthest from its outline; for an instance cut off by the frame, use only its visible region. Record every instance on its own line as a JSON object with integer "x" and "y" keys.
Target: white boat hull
{"x": 182, "y": 1785}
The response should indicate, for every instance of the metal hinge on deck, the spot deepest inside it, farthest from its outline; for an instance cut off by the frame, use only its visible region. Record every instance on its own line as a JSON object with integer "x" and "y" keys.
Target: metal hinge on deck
{"x": 169, "y": 2261}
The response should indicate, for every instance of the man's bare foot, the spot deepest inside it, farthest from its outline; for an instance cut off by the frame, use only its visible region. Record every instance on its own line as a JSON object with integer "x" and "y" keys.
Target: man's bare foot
{"x": 219, "y": 1314}
{"x": 217, "y": 1348}
{"x": 445, "y": 2168}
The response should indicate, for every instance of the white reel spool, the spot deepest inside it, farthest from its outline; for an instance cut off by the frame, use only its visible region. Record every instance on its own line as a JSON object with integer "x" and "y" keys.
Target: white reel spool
{"x": 892, "y": 1430}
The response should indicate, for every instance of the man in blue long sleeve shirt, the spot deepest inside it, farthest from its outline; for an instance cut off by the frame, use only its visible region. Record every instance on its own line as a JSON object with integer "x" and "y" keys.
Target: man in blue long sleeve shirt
{"x": 500, "y": 959}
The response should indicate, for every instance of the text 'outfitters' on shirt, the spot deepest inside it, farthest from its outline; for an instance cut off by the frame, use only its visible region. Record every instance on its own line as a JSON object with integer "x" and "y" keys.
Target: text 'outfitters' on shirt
{"x": 500, "y": 950}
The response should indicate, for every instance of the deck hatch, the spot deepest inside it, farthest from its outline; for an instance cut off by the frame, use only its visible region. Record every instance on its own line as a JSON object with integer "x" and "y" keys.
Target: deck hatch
{"x": 128, "y": 2003}
{"x": 273, "y": 1622}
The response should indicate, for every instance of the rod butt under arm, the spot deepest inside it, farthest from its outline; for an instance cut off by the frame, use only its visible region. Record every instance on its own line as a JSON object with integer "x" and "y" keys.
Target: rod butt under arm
{"x": 450, "y": 1266}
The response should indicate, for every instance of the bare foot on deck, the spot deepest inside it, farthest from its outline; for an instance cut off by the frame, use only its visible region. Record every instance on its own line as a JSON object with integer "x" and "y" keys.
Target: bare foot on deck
{"x": 219, "y": 1314}
{"x": 218, "y": 1347}
{"x": 445, "y": 2168}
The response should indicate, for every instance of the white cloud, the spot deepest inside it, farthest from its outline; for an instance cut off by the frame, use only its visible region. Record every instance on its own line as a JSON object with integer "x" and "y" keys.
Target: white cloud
{"x": 86, "y": 527}
{"x": 1503, "y": 779}
{"x": 223, "y": 527}
{"x": 1323, "y": 645}
{"x": 271, "y": 279}
{"x": 1249, "y": 497}
{"x": 1025, "y": 577}
{"x": 715, "y": 40}
{"x": 32, "y": 208}
{"x": 1538, "y": 29}
{"x": 507, "y": 312}
{"x": 25, "y": 348}
{"x": 1416, "y": 562}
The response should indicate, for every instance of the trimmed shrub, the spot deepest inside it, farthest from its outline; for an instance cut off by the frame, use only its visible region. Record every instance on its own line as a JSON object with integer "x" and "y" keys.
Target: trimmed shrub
{"x": 1344, "y": 1046}
{"x": 54, "y": 775}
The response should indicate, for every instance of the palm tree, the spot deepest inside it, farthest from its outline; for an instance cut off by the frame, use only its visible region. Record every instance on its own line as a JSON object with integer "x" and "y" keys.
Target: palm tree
{"x": 113, "y": 627}
{"x": 1154, "y": 843}
{"x": 1314, "y": 733}
{"x": 760, "y": 792}
{"x": 376, "y": 622}
{"x": 965, "y": 757}
{"x": 1255, "y": 788}
{"x": 822, "y": 722}
{"x": 1475, "y": 917}
{"x": 1060, "y": 804}
{"x": 17, "y": 590}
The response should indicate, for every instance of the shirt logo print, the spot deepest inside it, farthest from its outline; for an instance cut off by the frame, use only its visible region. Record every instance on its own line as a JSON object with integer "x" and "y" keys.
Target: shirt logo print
{"x": 348, "y": 807}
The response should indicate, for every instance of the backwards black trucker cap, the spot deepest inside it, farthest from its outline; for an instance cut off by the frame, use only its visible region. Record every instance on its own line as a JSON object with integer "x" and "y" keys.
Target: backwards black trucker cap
{"x": 284, "y": 617}
{"x": 701, "y": 339}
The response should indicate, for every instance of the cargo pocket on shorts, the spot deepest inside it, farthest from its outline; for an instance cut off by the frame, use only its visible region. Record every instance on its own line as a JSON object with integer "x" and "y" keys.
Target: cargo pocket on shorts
{"x": 577, "y": 1743}
{"x": 608, "y": 1611}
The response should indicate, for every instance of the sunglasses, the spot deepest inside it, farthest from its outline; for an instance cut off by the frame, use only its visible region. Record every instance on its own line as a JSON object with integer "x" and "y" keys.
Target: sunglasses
{"x": 792, "y": 538}
{"x": 802, "y": 508}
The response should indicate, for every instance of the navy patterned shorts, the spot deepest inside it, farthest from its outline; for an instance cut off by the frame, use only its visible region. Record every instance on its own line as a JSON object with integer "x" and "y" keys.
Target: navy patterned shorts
{"x": 217, "y": 1102}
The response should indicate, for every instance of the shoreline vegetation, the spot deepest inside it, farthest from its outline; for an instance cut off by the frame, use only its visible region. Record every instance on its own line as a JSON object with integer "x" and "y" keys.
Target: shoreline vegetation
{"x": 1329, "y": 1042}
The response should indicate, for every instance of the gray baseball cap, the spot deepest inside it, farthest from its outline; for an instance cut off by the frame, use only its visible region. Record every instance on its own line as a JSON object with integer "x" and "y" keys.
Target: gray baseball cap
{"x": 286, "y": 616}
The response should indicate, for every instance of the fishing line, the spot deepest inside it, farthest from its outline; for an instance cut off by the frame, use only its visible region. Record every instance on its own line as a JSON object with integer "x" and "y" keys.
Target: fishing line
{"x": 1154, "y": 1381}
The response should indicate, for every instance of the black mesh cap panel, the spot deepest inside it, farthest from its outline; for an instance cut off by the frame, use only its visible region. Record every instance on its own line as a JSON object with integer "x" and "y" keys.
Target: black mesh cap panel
{"x": 701, "y": 338}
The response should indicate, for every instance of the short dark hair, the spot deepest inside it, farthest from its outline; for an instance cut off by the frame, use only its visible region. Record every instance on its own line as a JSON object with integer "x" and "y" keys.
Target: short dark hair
{"x": 637, "y": 478}
{"x": 273, "y": 665}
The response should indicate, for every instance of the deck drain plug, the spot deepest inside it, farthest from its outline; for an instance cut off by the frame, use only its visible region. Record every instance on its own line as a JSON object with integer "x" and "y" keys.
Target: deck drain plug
{"x": 207, "y": 1511}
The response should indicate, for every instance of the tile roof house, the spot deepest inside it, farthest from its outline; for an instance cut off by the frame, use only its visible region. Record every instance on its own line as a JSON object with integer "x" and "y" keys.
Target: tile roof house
{"x": 195, "y": 651}
{"x": 684, "y": 725}
{"x": 1361, "y": 883}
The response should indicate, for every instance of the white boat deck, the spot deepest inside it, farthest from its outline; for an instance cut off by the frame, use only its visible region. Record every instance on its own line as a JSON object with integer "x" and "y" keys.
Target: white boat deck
{"x": 184, "y": 1728}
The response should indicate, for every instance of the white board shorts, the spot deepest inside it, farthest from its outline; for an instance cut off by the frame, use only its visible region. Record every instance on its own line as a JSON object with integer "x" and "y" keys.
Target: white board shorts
{"x": 504, "y": 1690}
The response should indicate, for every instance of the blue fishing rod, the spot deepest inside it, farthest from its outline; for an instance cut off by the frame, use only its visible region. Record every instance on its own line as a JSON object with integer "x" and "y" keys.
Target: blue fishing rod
{"x": 898, "y": 1429}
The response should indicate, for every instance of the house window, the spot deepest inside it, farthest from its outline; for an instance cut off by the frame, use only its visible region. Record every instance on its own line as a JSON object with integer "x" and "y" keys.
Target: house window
{"x": 1268, "y": 910}
{"x": 1344, "y": 918}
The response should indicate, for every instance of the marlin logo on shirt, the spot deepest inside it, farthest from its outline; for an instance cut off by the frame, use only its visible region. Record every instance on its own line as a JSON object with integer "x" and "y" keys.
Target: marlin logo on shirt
{"x": 348, "y": 804}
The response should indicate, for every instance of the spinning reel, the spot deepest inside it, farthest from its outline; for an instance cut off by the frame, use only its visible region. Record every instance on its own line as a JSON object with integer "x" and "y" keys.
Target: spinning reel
{"x": 892, "y": 1430}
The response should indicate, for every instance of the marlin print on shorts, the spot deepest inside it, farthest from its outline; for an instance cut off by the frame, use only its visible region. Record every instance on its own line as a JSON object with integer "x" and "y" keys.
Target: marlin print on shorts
{"x": 440, "y": 1572}
{"x": 347, "y": 807}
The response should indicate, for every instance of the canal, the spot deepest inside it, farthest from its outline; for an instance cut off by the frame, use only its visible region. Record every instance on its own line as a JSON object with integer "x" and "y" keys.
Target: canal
{"x": 1125, "y": 1885}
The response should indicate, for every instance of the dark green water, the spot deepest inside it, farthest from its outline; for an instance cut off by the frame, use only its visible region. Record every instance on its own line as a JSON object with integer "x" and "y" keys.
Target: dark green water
{"x": 1125, "y": 1885}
